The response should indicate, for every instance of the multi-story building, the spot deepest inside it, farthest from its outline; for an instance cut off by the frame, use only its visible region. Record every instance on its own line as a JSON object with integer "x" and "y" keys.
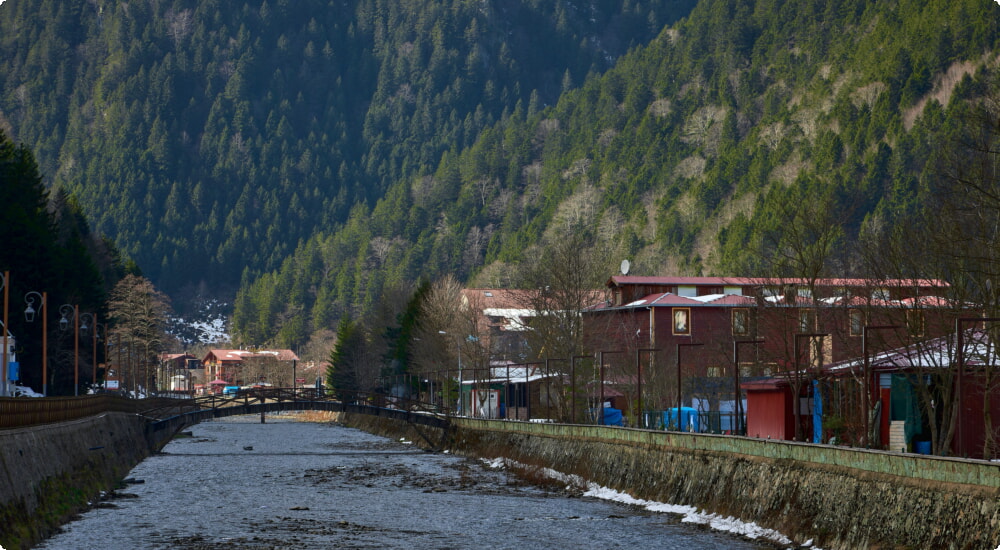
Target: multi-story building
{"x": 689, "y": 332}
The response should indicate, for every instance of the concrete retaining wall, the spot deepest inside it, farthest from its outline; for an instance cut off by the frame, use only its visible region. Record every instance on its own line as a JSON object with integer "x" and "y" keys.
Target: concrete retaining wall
{"x": 50, "y": 472}
{"x": 840, "y": 498}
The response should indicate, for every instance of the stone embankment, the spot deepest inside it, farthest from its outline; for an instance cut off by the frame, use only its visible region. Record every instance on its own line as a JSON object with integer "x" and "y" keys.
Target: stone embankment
{"x": 50, "y": 472}
{"x": 839, "y": 498}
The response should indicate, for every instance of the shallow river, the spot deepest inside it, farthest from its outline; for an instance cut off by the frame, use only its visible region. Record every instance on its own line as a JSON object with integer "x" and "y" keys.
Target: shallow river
{"x": 286, "y": 484}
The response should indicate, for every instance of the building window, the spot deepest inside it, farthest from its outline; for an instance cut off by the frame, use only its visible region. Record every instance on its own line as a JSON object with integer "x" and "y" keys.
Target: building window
{"x": 915, "y": 321}
{"x": 715, "y": 371}
{"x": 682, "y": 320}
{"x": 741, "y": 321}
{"x": 857, "y": 322}
{"x": 807, "y": 320}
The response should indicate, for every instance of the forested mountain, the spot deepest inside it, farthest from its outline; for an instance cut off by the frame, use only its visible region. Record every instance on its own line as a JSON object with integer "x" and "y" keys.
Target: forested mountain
{"x": 325, "y": 154}
{"x": 747, "y": 128}
{"x": 210, "y": 138}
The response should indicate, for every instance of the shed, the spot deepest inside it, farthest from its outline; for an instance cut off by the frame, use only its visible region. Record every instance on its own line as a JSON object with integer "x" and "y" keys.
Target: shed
{"x": 769, "y": 409}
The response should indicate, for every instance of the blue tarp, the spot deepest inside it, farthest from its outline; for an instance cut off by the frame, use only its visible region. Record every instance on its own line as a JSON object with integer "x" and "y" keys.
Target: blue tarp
{"x": 689, "y": 419}
{"x": 612, "y": 417}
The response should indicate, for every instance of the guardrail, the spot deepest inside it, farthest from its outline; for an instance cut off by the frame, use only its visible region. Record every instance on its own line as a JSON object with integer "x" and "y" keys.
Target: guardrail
{"x": 21, "y": 411}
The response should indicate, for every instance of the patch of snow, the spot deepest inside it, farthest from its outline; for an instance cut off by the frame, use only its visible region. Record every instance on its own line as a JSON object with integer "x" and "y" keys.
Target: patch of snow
{"x": 208, "y": 325}
{"x": 689, "y": 514}
{"x": 24, "y": 391}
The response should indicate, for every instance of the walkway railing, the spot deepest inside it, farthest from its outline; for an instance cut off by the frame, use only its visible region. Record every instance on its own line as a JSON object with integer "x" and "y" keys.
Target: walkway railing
{"x": 22, "y": 411}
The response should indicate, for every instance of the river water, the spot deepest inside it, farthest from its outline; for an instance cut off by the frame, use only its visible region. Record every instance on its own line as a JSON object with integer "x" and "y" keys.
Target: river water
{"x": 237, "y": 483}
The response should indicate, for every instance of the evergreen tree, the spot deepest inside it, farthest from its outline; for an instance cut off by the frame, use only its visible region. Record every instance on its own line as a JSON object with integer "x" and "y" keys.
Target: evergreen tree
{"x": 341, "y": 373}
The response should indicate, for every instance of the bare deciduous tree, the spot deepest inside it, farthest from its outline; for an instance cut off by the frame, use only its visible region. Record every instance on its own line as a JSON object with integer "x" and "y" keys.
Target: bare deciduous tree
{"x": 138, "y": 312}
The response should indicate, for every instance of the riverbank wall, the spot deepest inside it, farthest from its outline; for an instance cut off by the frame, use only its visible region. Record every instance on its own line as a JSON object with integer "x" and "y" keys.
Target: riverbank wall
{"x": 835, "y": 497}
{"x": 50, "y": 472}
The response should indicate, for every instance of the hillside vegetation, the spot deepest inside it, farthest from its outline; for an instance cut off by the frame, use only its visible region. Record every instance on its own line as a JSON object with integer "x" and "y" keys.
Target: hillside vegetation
{"x": 209, "y": 138}
{"x": 325, "y": 156}
{"x": 696, "y": 154}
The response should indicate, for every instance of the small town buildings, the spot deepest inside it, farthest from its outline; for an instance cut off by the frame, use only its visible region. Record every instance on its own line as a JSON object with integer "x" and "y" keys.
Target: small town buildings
{"x": 689, "y": 332}
{"x": 235, "y": 367}
{"x": 513, "y": 391}
{"x": 179, "y": 372}
{"x": 502, "y": 317}
{"x": 921, "y": 384}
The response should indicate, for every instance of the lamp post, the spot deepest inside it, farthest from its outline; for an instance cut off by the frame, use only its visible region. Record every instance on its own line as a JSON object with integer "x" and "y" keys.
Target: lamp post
{"x": 4, "y": 283}
{"x": 29, "y": 316}
{"x": 737, "y": 394}
{"x": 679, "y": 394}
{"x": 866, "y": 402}
{"x": 83, "y": 329}
{"x": 638, "y": 373}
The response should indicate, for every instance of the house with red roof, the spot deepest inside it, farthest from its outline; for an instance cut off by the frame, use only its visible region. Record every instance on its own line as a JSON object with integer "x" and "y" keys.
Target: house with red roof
{"x": 686, "y": 334}
{"x": 232, "y": 367}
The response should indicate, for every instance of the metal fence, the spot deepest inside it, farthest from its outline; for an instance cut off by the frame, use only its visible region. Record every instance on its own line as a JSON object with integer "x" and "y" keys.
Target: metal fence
{"x": 17, "y": 412}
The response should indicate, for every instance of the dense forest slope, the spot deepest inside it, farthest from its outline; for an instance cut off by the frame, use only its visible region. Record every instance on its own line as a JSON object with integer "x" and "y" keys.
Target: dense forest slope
{"x": 321, "y": 155}
{"x": 208, "y": 138}
{"x": 695, "y": 154}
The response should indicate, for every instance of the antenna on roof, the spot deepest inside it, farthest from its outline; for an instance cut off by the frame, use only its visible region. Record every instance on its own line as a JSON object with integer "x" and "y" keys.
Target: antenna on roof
{"x": 625, "y": 267}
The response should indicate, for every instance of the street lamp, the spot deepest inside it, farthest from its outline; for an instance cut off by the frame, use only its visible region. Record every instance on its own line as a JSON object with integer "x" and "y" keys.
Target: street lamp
{"x": 29, "y": 316}
{"x": 83, "y": 329}
{"x": 738, "y": 395}
{"x": 679, "y": 394}
{"x": 458, "y": 351}
{"x": 866, "y": 402}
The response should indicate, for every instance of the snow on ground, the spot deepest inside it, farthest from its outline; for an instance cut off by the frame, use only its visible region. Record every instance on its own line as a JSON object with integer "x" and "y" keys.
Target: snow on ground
{"x": 23, "y": 391}
{"x": 689, "y": 514}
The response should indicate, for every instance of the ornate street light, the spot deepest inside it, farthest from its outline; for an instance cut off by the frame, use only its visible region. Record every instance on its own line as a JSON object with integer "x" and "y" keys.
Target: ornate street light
{"x": 83, "y": 330}
{"x": 29, "y": 316}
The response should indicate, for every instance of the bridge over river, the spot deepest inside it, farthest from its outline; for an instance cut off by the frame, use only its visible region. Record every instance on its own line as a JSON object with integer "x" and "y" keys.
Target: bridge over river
{"x": 167, "y": 418}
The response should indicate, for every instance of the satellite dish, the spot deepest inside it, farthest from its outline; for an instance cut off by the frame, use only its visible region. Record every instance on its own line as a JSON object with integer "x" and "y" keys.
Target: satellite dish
{"x": 625, "y": 267}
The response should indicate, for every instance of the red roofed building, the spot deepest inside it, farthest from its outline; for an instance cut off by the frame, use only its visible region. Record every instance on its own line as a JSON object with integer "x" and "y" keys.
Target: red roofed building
{"x": 781, "y": 323}
{"x": 231, "y": 366}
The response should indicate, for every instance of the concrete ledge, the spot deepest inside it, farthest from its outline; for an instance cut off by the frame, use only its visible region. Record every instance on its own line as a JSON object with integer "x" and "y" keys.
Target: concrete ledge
{"x": 50, "y": 472}
{"x": 918, "y": 467}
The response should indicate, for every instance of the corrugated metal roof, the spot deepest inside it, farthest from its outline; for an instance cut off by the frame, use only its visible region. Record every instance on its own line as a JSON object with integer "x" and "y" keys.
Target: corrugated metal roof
{"x": 619, "y": 280}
